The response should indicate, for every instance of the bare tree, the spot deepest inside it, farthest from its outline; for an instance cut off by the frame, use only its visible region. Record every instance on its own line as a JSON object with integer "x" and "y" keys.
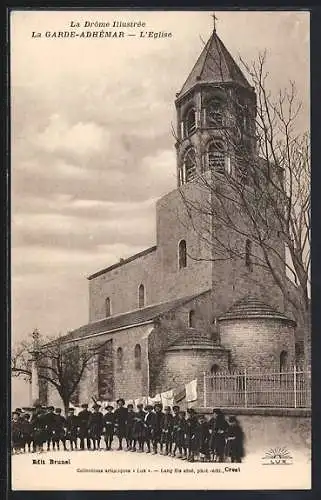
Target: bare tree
{"x": 259, "y": 206}
{"x": 59, "y": 363}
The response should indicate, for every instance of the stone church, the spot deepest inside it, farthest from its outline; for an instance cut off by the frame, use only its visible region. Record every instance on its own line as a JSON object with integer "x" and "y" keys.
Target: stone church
{"x": 172, "y": 312}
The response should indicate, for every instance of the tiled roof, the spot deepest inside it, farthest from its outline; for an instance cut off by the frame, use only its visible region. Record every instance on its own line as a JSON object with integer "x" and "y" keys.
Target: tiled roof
{"x": 122, "y": 262}
{"x": 214, "y": 65}
{"x": 192, "y": 337}
{"x": 251, "y": 307}
{"x": 135, "y": 317}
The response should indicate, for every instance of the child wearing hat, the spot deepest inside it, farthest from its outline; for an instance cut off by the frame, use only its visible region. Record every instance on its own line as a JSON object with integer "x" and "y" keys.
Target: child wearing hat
{"x": 60, "y": 430}
{"x": 180, "y": 434}
{"x": 191, "y": 433}
{"x": 148, "y": 426}
{"x": 26, "y": 431}
{"x": 130, "y": 427}
{"x": 96, "y": 426}
{"x": 16, "y": 433}
{"x": 138, "y": 428}
{"x": 109, "y": 420}
{"x": 174, "y": 428}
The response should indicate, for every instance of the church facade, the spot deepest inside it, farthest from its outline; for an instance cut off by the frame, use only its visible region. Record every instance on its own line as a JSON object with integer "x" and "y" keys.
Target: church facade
{"x": 173, "y": 311}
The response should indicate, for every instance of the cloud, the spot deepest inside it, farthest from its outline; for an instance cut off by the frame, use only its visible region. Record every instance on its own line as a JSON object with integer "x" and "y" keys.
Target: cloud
{"x": 79, "y": 139}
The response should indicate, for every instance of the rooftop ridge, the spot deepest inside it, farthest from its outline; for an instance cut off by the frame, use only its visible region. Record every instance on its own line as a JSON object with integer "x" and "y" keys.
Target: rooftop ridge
{"x": 122, "y": 262}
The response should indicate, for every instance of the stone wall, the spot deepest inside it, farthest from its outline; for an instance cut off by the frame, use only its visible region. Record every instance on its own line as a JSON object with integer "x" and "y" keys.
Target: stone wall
{"x": 267, "y": 428}
{"x": 257, "y": 343}
{"x": 179, "y": 367}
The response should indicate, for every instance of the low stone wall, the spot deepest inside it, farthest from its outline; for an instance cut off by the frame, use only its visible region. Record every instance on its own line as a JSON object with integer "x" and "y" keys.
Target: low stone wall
{"x": 266, "y": 428}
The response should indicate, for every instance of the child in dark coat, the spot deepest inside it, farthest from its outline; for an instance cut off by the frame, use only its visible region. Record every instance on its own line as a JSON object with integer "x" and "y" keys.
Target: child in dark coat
{"x": 138, "y": 428}
{"x": 109, "y": 419}
{"x": 180, "y": 436}
{"x": 166, "y": 439}
{"x": 130, "y": 427}
{"x": 96, "y": 426}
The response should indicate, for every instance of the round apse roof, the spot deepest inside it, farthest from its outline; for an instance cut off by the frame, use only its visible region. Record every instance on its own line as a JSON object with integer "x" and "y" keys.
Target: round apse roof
{"x": 193, "y": 338}
{"x": 253, "y": 308}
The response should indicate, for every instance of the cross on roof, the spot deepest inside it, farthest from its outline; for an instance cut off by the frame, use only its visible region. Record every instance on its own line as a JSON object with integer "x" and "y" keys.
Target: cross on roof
{"x": 214, "y": 20}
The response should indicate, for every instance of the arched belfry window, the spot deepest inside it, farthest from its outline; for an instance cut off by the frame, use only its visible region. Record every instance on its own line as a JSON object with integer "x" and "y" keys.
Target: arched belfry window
{"x": 141, "y": 296}
{"x": 216, "y": 156}
{"x": 188, "y": 170}
{"x": 138, "y": 357}
{"x": 182, "y": 260}
{"x": 107, "y": 307}
{"x": 190, "y": 122}
{"x": 191, "y": 319}
{"x": 214, "y": 113}
{"x": 120, "y": 358}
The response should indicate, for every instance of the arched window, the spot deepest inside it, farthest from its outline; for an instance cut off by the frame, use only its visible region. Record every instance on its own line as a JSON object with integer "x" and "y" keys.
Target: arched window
{"x": 248, "y": 254}
{"x": 182, "y": 261}
{"x": 214, "y": 113}
{"x": 190, "y": 122}
{"x": 214, "y": 371}
{"x": 299, "y": 353}
{"x": 120, "y": 358}
{"x": 283, "y": 361}
{"x": 188, "y": 170}
{"x": 191, "y": 319}
{"x": 141, "y": 296}
{"x": 216, "y": 157}
{"x": 138, "y": 357}
{"x": 107, "y": 307}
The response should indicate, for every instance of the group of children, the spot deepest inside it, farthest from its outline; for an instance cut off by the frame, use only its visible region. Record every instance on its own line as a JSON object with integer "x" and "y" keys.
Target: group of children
{"x": 152, "y": 429}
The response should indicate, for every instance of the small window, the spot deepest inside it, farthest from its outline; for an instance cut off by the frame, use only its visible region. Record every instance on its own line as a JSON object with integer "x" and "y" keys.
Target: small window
{"x": 120, "y": 359}
{"x": 190, "y": 122}
{"x": 138, "y": 357}
{"x": 248, "y": 254}
{"x": 182, "y": 261}
{"x": 216, "y": 157}
{"x": 191, "y": 319}
{"x": 283, "y": 361}
{"x": 141, "y": 296}
{"x": 299, "y": 353}
{"x": 107, "y": 307}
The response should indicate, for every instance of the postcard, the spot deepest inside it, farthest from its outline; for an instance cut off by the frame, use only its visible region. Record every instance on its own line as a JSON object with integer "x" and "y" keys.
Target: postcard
{"x": 160, "y": 193}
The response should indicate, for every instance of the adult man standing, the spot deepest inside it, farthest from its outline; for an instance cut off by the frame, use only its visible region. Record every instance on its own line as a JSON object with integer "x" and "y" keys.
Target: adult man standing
{"x": 83, "y": 422}
{"x": 157, "y": 426}
{"x": 120, "y": 421}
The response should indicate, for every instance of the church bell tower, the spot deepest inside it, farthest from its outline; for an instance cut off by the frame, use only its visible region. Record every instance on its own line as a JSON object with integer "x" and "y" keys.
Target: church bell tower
{"x": 216, "y": 110}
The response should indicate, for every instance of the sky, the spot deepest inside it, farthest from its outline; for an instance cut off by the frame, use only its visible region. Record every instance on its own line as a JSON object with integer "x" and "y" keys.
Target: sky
{"x": 92, "y": 146}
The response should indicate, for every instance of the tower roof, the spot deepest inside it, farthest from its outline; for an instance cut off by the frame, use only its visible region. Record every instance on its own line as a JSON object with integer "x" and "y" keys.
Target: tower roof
{"x": 214, "y": 65}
